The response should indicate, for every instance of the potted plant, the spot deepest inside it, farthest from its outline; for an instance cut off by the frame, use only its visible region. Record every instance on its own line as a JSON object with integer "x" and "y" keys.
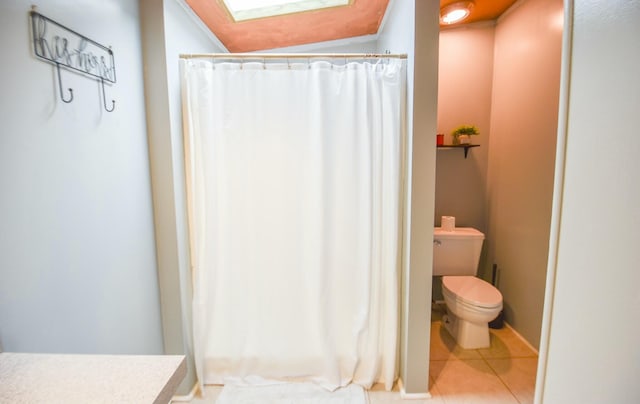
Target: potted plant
{"x": 462, "y": 134}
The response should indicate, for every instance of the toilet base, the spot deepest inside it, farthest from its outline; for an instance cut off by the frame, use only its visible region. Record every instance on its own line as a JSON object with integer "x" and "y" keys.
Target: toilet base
{"x": 467, "y": 334}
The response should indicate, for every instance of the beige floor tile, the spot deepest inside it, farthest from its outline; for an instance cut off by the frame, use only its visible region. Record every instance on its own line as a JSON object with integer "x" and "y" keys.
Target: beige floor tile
{"x": 436, "y": 396}
{"x": 468, "y": 381}
{"x": 519, "y": 374}
{"x": 444, "y": 347}
{"x": 506, "y": 344}
{"x": 503, "y": 373}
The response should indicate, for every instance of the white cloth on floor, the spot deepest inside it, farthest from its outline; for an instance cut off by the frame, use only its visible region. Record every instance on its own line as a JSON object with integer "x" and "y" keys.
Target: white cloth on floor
{"x": 291, "y": 393}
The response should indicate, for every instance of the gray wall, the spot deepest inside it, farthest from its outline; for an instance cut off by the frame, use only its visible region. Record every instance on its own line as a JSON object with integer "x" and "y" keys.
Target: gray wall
{"x": 504, "y": 188}
{"x": 77, "y": 254}
{"x": 592, "y": 353}
{"x": 464, "y": 97}
{"x": 524, "y": 121}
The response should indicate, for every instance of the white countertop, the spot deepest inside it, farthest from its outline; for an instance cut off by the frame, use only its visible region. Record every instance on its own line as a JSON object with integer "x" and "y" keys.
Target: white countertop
{"x": 59, "y": 378}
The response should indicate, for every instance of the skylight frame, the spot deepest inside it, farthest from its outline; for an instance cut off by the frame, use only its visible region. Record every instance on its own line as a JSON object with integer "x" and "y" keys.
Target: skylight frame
{"x": 245, "y": 10}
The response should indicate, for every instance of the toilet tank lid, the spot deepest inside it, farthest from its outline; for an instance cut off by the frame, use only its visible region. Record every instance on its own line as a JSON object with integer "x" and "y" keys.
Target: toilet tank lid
{"x": 458, "y": 232}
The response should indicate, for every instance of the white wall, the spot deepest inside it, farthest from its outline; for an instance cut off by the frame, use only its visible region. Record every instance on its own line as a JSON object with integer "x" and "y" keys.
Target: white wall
{"x": 593, "y": 352}
{"x": 169, "y": 30}
{"x": 524, "y": 120}
{"x": 77, "y": 255}
{"x": 412, "y": 28}
{"x": 350, "y": 45}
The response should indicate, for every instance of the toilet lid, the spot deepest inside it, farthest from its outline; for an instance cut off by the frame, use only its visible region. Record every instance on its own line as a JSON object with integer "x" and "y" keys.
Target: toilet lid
{"x": 473, "y": 290}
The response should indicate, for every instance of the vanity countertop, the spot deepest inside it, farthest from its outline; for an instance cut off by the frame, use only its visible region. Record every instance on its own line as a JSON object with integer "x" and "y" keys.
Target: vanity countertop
{"x": 62, "y": 378}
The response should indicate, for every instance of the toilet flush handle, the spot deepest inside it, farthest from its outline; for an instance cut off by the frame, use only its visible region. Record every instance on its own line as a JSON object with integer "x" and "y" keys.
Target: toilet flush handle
{"x": 437, "y": 242}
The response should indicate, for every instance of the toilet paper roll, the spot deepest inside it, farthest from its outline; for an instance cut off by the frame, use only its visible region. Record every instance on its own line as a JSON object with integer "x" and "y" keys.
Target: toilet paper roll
{"x": 448, "y": 223}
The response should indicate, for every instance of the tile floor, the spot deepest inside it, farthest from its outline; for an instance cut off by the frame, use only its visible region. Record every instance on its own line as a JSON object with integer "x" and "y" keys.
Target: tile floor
{"x": 504, "y": 373}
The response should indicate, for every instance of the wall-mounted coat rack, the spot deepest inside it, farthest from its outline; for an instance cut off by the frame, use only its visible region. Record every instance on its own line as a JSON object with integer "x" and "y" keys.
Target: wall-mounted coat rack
{"x": 57, "y": 44}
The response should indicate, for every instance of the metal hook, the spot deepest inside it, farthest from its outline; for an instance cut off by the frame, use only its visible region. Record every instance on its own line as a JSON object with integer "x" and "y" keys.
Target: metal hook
{"x": 60, "y": 87}
{"x": 104, "y": 99}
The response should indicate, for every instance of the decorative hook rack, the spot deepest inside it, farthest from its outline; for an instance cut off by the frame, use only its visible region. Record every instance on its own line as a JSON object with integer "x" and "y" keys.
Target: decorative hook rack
{"x": 104, "y": 100}
{"x": 60, "y": 87}
{"x": 64, "y": 47}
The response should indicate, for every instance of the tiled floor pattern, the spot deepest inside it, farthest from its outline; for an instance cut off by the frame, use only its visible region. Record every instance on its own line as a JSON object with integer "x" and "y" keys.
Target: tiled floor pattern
{"x": 504, "y": 373}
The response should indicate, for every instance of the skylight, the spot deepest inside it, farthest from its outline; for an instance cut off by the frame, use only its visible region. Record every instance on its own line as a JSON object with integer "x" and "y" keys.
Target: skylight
{"x": 242, "y": 10}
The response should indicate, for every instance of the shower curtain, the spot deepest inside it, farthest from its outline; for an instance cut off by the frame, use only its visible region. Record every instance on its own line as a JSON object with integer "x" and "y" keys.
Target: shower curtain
{"x": 294, "y": 176}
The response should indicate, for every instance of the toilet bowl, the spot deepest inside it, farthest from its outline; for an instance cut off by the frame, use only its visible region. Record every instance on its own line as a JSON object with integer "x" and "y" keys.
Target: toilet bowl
{"x": 471, "y": 304}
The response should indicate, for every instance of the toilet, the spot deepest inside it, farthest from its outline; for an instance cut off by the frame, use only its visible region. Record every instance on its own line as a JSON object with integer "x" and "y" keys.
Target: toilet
{"x": 471, "y": 302}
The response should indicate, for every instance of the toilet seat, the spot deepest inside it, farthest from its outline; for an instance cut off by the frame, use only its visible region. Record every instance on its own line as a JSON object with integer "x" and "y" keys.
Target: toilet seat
{"x": 472, "y": 291}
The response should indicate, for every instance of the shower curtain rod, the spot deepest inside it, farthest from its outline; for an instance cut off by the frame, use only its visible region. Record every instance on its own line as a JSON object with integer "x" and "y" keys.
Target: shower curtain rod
{"x": 262, "y": 56}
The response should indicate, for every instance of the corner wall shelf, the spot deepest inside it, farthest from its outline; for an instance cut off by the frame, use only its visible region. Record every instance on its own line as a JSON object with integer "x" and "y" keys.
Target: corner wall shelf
{"x": 466, "y": 147}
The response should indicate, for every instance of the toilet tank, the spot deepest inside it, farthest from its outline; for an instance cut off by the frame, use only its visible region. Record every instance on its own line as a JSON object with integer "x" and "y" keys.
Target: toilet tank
{"x": 456, "y": 252}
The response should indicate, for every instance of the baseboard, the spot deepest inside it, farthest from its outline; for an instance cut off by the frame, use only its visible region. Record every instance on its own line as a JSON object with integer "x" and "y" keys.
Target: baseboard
{"x": 517, "y": 334}
{"x": 411, "y": 396}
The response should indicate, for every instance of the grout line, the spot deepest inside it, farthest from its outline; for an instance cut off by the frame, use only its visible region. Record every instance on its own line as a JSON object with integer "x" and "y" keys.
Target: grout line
{"x": 486, "y": 361}
{"x": 500, "y": 378}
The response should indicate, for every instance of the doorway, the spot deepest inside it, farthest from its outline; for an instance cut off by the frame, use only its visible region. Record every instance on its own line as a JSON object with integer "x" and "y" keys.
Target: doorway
{"x": 505, "y": 79}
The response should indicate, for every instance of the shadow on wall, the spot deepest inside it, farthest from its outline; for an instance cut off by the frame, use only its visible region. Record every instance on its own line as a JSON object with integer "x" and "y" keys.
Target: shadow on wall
{"x": 461, "y": 192}
{"x": 460, "y": 188}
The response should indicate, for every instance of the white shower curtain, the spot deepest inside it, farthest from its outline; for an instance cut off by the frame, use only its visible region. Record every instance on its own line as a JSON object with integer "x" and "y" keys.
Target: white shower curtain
{"x": 294, "y": 174}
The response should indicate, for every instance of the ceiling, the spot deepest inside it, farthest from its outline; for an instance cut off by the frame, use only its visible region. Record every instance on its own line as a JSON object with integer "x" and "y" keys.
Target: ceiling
{"x": 484, "y": 10}
{"x": 358, "y": 18}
